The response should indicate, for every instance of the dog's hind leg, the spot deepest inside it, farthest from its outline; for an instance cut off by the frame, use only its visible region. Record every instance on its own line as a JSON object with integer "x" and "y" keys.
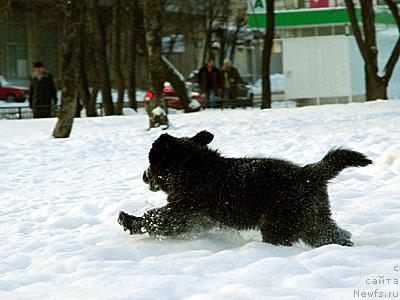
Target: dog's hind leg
{"x": 326, "y": 232}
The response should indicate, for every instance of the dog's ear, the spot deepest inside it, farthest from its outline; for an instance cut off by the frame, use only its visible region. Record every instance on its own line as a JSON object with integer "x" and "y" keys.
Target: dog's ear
{"x": 161, "y": 148}
{"x": 166, "y": 141}
{"x": 165, "y": 137}
{"x": 203, "y": 138}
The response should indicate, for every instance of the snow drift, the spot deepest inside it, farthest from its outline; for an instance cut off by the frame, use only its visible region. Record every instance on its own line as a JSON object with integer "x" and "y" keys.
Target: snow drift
{"x": 59, "y": 202}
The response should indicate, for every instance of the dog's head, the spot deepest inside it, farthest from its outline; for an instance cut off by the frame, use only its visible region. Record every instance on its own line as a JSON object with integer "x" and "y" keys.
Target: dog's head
{"x": 168, "y": 153}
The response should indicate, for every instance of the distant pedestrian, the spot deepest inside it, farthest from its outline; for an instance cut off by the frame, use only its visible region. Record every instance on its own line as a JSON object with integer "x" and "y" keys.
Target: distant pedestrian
{"x": 42, "y": 92}
{"x": 230, "y": 79}
{"x": 209, "y": 80}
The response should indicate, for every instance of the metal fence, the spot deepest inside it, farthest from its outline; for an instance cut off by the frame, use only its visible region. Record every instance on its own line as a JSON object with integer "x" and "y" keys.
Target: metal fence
{"x": 18, "y": 112}
{"x": 24, "y": 112}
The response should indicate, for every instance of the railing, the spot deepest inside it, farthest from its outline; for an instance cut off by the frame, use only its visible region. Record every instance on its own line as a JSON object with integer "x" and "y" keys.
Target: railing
{"x": 24, "y": 112}
{"x": 17, "y": 112}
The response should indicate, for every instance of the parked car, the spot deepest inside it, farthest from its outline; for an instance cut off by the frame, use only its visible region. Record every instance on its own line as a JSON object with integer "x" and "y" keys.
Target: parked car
{"x": 172, "y": 100}
{"x": 12, "y": 93}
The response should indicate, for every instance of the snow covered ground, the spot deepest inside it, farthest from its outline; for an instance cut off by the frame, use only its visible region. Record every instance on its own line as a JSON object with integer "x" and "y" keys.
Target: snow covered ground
{"x": 59, "y": 201}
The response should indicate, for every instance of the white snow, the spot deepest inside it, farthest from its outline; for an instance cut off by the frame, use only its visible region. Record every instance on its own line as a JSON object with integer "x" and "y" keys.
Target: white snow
{"x": 158, "y": 111}
{"x": 277, "y": 84}
{"x": 59, "y": 202}
{"x": 194, "y": 104}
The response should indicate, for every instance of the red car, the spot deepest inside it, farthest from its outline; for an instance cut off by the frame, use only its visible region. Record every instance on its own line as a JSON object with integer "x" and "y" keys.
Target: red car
{"x": 196, "y": 98}
{"x": 12, "y": 93}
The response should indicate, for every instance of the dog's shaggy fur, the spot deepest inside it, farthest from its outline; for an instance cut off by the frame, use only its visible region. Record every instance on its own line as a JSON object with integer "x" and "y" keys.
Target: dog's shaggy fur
{"x": 284, "y": 201}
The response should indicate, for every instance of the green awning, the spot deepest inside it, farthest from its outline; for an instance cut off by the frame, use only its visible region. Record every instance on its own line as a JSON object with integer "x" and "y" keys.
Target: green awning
{"x": 314, "y": 17}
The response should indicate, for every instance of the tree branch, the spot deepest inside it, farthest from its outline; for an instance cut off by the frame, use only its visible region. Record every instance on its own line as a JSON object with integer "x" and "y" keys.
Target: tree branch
{"x": 356, "y": 28}
{"x": 394, "y": 56}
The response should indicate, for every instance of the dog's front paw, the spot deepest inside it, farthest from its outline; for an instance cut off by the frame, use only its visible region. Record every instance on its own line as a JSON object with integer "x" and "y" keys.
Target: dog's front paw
{"x": 345, "y": 238}
{"x": 131, "y": 223}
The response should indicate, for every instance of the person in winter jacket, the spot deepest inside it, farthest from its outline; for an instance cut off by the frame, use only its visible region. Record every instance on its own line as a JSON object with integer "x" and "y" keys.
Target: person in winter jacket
{"x": 209, "y": 80}
{"x": 230, "y": 79}
{"x": 42, "y": 92}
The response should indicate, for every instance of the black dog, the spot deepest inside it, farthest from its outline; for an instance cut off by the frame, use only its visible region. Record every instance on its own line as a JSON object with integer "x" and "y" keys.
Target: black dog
{"x": 285, "y": 201}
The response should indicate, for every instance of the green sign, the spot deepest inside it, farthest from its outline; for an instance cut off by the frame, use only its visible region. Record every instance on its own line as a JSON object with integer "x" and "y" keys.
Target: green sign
{"x": 313, "y": 17}
{"x": 258, "y": 4}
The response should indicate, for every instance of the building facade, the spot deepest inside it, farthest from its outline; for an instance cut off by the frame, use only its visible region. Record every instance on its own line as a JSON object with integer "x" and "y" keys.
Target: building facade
{"x": 316, "y": 52}
{"x": 26, "y": 38}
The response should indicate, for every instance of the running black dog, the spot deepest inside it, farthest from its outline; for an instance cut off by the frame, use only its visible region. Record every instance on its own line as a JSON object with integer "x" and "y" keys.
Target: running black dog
{"x": 284, "y": 201}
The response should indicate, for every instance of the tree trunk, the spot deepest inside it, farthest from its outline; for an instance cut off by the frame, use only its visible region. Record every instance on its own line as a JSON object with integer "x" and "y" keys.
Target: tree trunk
{"x": 266, "y": 55}
{"x": 99, "y": 47}
{"x": 131, "y": 50}
{"x": 78, "y": 106}
{"x": 234, "y": 42}
{"x": 376, "y": 85}
{"x": 394, "y": 56}
{"x": 207, "y": 46}
{"x": 84, "y": 92}
{"x": 153, "y": 31}
{"x": 152, "y": 12}
{"x": 178, "y": 83}
{"x": 222, "y": 43}
{"x": 116, "y": 56}
{"x": 301, "y": 4}
{"x": 68, "y": 63}
{"x": 91, "y": 75}
{"x": 209, "y": 27}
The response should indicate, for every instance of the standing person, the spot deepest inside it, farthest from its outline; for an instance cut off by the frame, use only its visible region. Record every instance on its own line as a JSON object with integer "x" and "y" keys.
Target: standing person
{"x": 230, "y": 79}
{"x": 42, "y": 92}
{"x": 209, "y": 80}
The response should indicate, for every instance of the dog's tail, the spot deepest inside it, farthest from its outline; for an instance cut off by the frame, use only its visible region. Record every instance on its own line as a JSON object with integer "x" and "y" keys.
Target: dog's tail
{"x": 334, "y": 162}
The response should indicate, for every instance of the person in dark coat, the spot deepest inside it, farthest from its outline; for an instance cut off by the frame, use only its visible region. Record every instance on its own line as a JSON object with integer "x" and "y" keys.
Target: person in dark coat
{"x": 209, "y": 80}
{"x": 230, "y": 79}
{"x": 42, "y": 92}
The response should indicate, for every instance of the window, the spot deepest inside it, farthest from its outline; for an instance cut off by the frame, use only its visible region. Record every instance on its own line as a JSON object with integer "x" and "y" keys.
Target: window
{"x": 17, "y": 62}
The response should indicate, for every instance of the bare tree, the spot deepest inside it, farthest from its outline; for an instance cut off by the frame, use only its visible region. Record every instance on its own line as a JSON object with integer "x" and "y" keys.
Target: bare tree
{"x": 376, "y": 85}
{"x": 89, "y": 102}
{"x": 266, "y": 55}
{"x": 211, "y": 10}
{"x": 69, "y": 54}
{"x": 223, "y": 29}
{"x": 5, "y": 10}
{"x": 178, "y": 83}
{"x": 133, "y": 14}
{"x": 152, "y": 12}
{"x": 99, "y": 46}
{"x": 116, "y": 55}
{"x": 220, "y": 17}
{"x": 240, "y": 22}
{"x": 160, "y": 71}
